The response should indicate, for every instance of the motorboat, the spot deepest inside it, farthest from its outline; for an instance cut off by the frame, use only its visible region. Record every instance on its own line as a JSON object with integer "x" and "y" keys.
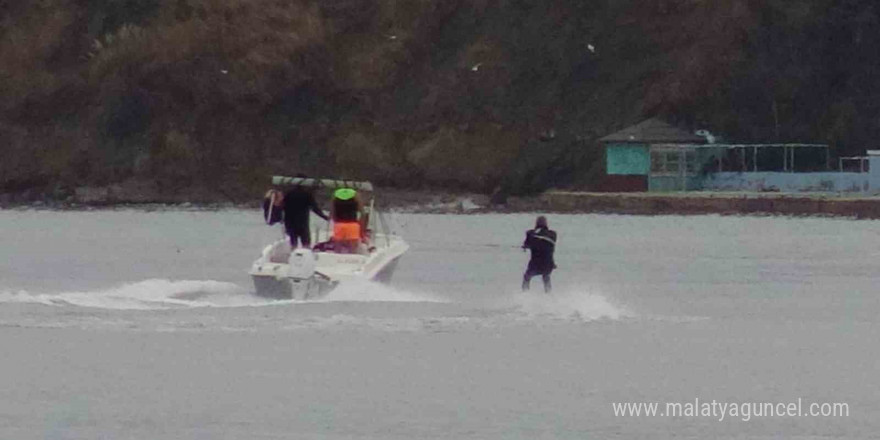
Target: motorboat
{"x": 284, "y": 272}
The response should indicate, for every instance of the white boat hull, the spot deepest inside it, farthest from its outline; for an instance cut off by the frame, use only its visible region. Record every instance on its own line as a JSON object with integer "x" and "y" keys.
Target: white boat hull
{"x": 302, "y": 274}
{"x": 289, "y": 288}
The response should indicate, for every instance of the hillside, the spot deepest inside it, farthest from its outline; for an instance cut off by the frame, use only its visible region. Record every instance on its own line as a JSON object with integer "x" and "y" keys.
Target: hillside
{"x": 465, "y": 94}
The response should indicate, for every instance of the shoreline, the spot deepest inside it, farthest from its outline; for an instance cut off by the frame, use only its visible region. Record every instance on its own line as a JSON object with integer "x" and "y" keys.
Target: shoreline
{"x": 708, "y": 203}
{"x": 554, "y": 201}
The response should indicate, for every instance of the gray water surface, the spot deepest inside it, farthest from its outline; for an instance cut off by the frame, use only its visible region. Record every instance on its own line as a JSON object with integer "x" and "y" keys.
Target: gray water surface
{"x": 141, "y": 325}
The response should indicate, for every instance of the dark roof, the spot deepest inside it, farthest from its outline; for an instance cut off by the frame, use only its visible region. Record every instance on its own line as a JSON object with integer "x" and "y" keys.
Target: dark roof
{"x": 654, "y": 130}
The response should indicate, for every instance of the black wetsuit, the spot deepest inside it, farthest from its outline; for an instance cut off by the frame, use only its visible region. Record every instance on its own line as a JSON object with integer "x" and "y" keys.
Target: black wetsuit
{"x": 542, "y": 242}
{"x": 295, "y": 213}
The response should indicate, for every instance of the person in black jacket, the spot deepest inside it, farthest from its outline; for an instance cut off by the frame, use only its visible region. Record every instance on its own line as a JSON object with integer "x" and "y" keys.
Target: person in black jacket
{"x": 294, "y": 211}
{"x": 542, "y": 242}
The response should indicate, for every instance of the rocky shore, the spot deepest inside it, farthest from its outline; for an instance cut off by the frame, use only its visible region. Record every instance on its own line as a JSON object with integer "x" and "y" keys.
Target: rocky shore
{"x": 144, "y": 196}
{"x": 436, "y": 201}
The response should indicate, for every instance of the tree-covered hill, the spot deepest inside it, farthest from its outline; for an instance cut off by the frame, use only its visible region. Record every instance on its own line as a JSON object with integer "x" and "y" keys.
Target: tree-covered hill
{"x": 468, "y": 94}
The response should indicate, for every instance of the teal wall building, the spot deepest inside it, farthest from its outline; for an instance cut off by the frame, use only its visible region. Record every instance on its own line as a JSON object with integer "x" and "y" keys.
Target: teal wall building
{"x": 654, "y": 156}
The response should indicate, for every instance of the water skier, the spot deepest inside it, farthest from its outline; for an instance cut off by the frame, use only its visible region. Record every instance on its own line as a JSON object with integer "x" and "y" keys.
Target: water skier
{"x": 542, "y": 242}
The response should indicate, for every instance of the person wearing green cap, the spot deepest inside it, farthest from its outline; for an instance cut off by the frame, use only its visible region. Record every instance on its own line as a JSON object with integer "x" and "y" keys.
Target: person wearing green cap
{"x": 344, "y": 211}
{"x": 345, "y": 193}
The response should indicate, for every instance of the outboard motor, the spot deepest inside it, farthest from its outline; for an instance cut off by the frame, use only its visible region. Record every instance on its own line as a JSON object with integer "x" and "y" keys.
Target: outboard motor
{"x": 302, "y": 264}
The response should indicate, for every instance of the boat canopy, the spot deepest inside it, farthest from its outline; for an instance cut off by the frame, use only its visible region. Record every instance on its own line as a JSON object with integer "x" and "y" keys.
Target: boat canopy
{"x": 322, "y": 183}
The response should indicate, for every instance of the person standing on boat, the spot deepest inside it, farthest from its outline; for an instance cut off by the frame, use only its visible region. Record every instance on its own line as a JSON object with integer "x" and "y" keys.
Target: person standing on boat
{"x": 542, "y": 242}
{"x": 295, "y": 206}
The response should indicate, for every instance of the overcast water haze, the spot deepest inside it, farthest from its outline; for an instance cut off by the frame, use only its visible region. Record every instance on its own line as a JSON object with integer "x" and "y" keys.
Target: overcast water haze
{"x": 133, "y": 324}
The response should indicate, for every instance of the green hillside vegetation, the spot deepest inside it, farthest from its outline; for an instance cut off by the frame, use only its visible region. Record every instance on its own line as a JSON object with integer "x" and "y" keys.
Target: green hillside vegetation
{"x": 461, "y": 94}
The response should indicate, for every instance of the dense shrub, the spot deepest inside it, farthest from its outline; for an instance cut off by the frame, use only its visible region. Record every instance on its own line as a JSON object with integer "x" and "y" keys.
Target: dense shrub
{"x": 465, "y": 93}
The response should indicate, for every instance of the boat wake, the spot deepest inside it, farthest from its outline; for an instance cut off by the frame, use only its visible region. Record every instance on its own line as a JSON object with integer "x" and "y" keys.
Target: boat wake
{"x": 356, "y": 304}
{"x": 369, "y": 291}
{"x": 160, "y": 294}
{"x": 513, "y": 311}
{"x": 570, "y": 304}
{"x": 155, "y": 294}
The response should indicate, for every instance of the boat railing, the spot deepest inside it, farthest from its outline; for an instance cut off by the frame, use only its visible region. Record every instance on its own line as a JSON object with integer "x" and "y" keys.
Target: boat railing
{"x": 321, "y": 183}
{"x": 383, "y": 223}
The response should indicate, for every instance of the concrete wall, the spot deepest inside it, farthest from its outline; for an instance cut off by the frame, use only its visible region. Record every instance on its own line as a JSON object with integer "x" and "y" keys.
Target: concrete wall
{"x": 874, "y": 172}
{"x": 700, "y": 203}
{"x": 658, "y": 183}
{"x": 790, "y": 182}
{"x": 621, "y": 183}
